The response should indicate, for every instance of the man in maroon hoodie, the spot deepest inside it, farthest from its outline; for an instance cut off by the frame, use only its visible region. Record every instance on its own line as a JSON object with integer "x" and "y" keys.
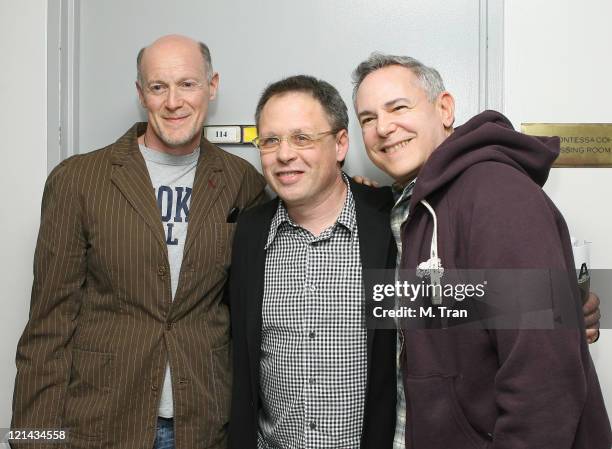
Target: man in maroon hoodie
{"x": 471, "y": 198}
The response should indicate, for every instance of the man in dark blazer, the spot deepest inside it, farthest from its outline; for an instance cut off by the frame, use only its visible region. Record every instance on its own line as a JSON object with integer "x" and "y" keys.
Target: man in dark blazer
{"x": 110, "y": 308}
{"x": 303, "y": 360}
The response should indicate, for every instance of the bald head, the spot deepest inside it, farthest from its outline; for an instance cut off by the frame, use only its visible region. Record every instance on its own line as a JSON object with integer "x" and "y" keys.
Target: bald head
{"x": 175, "y": 85}
{"x": 174, "y": 44}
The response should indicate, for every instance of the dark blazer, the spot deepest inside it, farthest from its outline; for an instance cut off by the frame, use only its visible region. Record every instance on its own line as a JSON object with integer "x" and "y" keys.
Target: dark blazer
{"x": 102, "y": 321}
{"x": 246, "y": 285}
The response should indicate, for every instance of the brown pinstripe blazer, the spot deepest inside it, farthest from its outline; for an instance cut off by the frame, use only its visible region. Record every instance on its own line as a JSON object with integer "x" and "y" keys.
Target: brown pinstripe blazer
{"x": 102, "y": 321}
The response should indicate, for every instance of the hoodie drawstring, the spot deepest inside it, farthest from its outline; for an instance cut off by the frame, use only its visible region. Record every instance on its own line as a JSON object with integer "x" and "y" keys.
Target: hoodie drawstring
{"x": 432, "y": 268}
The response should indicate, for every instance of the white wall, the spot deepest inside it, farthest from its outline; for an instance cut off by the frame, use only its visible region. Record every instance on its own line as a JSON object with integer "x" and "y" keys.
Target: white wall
{"x": 557, "y": 69}
{"x": 23, "y": 125}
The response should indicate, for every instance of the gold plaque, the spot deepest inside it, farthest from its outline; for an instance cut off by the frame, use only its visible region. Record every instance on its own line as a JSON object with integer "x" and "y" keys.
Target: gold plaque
{"x": 582, "y": 144}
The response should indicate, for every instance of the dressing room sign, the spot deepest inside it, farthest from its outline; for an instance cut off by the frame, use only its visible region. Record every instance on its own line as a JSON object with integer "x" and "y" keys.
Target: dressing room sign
{"x": 582, "y": 144}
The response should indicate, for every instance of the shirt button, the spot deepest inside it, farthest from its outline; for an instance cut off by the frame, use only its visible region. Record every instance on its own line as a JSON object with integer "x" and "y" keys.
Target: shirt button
{"x": 312, "y": 381}
{"x": 313, "y": 426}
{"x": 311, "y": 335}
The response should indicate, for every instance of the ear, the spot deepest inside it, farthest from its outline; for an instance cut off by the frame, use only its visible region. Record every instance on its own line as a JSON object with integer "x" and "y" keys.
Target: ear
{"x": 342, "y": 144}
{"x": 140, "y": 95}
{"x": 213, "y": 86}
{"x": 445, "y": 104}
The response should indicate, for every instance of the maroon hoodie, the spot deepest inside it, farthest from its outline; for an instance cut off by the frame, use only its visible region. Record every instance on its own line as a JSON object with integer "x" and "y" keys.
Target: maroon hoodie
{"x": 502, "y": 389}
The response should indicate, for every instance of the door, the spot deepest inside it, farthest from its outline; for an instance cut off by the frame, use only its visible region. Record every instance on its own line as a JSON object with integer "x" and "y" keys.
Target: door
{"x": 255, "y": 43}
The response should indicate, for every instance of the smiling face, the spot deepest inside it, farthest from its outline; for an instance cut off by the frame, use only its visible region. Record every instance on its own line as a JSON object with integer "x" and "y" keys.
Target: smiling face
{"x": 175, "y": 91}
{"x": 301, "y": 177}
{"x": 400, "y": 126}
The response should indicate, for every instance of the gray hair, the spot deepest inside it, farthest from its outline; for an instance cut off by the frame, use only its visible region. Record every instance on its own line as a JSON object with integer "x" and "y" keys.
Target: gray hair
{"x": 204, "y": 50}
{"x": 430, "y": 79}
{"x": 322, "y": 91}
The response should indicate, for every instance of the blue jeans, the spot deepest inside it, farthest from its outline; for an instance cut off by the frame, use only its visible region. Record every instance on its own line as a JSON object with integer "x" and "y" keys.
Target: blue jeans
{"x": 164, "y": 439}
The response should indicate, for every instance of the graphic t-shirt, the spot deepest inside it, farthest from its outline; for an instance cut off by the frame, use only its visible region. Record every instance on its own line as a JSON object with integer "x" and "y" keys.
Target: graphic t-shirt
{"x": 172, "y": 177}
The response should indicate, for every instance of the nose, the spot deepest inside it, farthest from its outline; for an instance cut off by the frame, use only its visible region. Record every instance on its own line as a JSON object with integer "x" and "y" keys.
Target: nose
{"x": 285, "y": 153}
{"x": 385, "y": 125}
{"x": 173, "y": 100}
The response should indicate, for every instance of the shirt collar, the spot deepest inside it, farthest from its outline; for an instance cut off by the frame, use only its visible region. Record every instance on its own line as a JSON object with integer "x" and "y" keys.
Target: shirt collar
{"x": 347, "y": 217}
{"x": 401, "y": 194}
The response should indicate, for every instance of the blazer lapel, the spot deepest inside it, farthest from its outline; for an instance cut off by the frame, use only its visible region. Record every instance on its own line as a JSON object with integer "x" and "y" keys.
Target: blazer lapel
{"x": 254, "y": 291}
{"x": 209, "y": 182}
{"x": 131, "y": 177}
{"x": 374, "y": 236}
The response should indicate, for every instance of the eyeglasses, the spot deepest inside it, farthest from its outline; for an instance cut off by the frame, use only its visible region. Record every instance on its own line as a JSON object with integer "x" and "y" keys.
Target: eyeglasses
{"x": 298, "y": 141}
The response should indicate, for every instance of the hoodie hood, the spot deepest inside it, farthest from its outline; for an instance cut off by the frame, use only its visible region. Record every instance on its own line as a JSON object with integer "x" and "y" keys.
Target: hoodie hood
{"x": 489, "y": 136}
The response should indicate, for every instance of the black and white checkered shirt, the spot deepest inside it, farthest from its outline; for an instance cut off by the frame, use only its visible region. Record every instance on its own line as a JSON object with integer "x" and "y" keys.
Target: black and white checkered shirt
{"x": 313, "y": 347}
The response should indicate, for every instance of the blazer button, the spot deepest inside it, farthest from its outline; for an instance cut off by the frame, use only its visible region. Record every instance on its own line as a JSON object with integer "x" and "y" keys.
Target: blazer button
{"x": 169, "y": 326}
{"x": 161, "y": 270}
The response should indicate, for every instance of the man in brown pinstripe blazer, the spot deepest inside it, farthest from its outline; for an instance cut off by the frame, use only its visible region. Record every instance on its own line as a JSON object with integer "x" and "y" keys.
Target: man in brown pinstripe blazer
{"x": 110, "y": 308}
